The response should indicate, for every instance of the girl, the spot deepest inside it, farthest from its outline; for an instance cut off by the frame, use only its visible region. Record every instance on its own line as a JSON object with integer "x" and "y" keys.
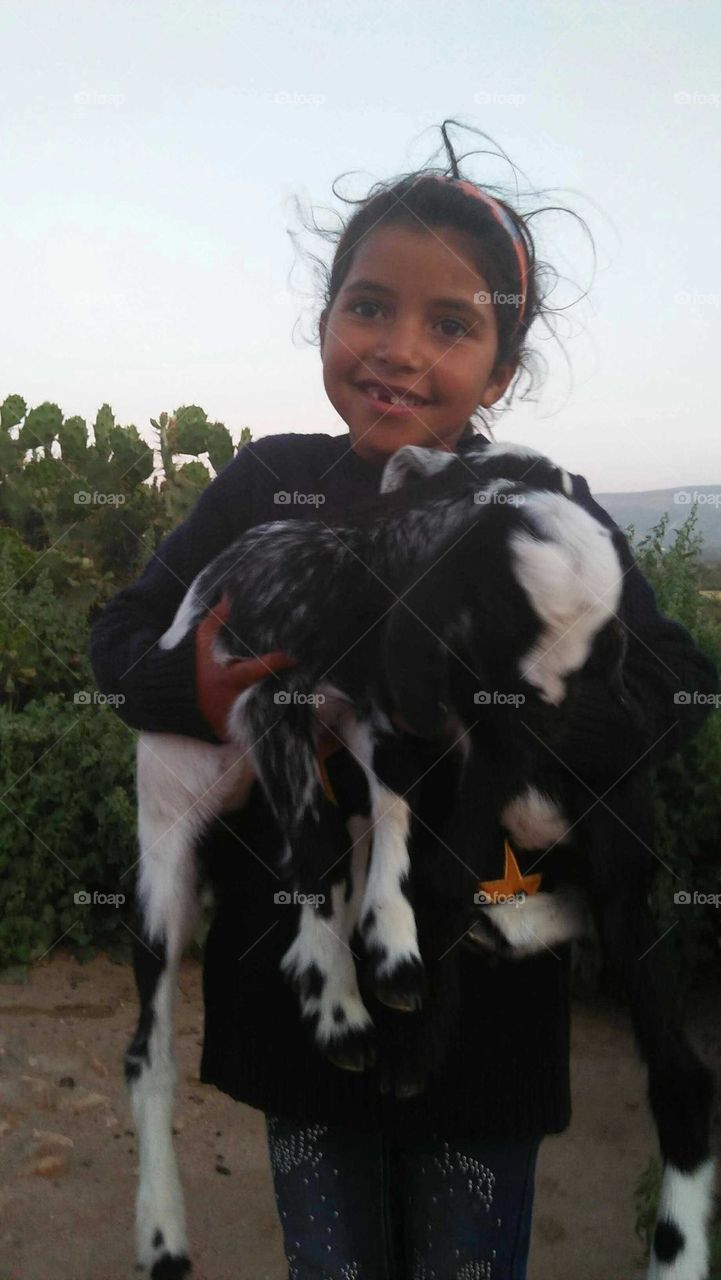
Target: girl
{"x": 432, "y": 292}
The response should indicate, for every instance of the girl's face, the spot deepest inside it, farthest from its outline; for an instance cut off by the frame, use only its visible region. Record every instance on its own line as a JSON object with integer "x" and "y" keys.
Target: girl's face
{"x": 414, "y": 315}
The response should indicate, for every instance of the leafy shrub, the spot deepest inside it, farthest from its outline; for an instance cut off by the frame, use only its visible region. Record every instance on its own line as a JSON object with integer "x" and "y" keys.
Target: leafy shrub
{"x": 78, "y": 520}
{"x": 687, "y": 794}
{"x": 67, "y": 824}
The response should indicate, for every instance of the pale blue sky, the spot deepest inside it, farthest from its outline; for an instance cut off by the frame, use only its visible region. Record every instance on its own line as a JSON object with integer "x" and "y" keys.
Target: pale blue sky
{"x": 148, "y": 160}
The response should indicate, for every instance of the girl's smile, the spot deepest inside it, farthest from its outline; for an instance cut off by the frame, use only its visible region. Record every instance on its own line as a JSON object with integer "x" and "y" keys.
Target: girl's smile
{"x": 409, "y": 346}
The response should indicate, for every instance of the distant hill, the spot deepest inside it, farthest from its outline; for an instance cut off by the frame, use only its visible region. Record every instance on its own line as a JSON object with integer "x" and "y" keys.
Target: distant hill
{"x": 645, "y": 509}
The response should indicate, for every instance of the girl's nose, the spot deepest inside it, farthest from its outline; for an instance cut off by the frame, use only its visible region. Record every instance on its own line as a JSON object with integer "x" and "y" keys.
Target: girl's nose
{"x": 400, "y": 344}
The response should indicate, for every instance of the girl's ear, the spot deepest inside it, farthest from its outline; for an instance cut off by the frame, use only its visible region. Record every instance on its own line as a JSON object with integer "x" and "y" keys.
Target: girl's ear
{"x": 498, "y": 383}
{"x": 410, "y": 463}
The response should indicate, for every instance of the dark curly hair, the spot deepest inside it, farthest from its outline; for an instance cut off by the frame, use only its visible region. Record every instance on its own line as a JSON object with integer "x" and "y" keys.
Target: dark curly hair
{"x": 410, "y": 201}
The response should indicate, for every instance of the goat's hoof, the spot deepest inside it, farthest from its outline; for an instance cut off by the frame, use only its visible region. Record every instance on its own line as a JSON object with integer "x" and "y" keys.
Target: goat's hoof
{"x": 171, "y": 1267}
{"x": 482, "y": 936}
{"x": 403, "y": 989}
{"x": 355, "y": 1051}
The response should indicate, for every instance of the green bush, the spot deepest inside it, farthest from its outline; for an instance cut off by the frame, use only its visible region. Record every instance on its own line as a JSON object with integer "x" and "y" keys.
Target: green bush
{"x": 78, "y": 520}
{"x": 67, "y": 825}
{"x": 687, "y": 795}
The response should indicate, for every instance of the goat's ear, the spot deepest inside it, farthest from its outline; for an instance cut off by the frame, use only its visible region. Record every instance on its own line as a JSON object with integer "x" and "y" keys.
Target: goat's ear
{"x": 416, "y": 668}
{"x": 410, "y": 463}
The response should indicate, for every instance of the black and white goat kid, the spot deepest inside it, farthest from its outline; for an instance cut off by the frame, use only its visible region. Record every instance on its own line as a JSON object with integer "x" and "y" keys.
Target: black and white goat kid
{"x": 329, "y": 597}
{"x": 593, "y": 844}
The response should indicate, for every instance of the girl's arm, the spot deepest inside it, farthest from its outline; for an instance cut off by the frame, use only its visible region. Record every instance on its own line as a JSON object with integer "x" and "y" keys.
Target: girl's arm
{"x": 662, "y": 661}
{"x": 159, "y": 685}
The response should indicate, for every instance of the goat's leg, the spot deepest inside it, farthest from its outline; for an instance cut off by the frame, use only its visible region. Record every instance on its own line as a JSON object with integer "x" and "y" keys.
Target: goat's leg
{"x": 680, "y": 1090}
{"x": 616, "y": 841}
{"x": 167, "y": 909}
{"x": 387, "y": 923}
{"x": 319, "y": 963}
{"x": 529, "y": 925}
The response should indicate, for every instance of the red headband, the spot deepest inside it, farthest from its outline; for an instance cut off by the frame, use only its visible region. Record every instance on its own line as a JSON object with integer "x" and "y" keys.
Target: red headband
{"x": 504, "y": 220}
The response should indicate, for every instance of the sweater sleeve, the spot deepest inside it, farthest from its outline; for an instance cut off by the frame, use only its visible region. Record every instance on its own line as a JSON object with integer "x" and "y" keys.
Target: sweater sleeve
{"x": 158, "y": 685}
{"x": 667, "y": 677}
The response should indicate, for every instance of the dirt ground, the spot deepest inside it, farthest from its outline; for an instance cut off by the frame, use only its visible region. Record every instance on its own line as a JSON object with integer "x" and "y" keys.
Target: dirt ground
{"x": 68, "y": 1152}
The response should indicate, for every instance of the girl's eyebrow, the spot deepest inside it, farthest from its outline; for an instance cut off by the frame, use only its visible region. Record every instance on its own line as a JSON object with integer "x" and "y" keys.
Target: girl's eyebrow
{"x": 458, "y": 304}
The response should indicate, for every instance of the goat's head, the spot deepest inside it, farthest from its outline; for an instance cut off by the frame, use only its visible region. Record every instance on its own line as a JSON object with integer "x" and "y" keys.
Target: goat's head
{"x": 511, "y": 603}
{"x": 475, "y": 467}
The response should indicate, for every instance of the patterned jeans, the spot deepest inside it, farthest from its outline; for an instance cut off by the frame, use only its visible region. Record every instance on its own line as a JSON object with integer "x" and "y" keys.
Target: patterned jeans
{"x": 355, "y": 1206}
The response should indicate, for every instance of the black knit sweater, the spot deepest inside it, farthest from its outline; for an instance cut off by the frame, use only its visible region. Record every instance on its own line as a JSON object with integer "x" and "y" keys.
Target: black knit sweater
{"x": 508, "y": 1073}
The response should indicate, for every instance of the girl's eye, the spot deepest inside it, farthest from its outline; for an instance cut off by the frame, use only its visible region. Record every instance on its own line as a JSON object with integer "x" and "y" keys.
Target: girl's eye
{"x": 449, "y": 320}
{"x": 366, "y": 302}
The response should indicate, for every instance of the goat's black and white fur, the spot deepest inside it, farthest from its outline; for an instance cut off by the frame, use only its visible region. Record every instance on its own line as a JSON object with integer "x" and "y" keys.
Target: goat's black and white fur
{"x": 486, "y": 572}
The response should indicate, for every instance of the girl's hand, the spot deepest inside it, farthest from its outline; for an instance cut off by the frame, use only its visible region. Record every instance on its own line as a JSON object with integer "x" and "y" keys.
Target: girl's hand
{"x": 217, "y": 686}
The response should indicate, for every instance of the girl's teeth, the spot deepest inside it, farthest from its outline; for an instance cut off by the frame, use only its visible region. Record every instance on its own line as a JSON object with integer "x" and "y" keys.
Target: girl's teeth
{"x": 392, "y": 398}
